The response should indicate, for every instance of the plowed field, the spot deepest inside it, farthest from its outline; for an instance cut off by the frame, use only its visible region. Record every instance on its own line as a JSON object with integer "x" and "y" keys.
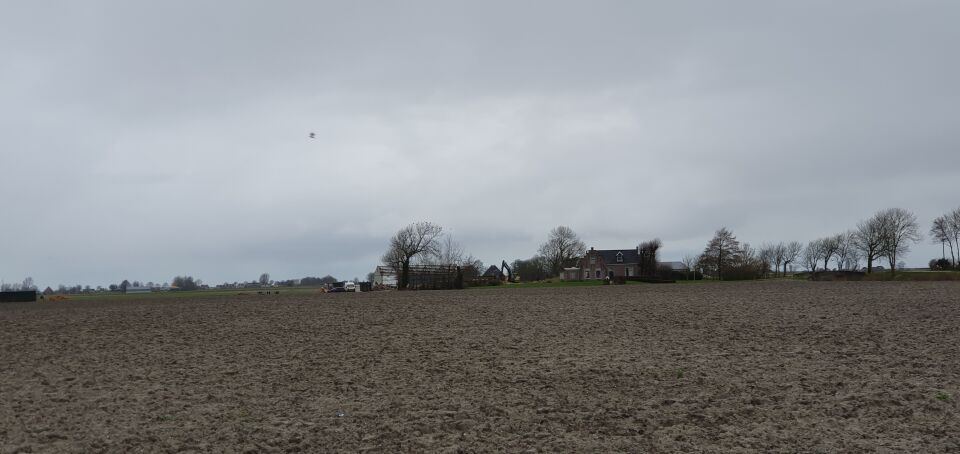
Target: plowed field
{"x": 732, "y": 367}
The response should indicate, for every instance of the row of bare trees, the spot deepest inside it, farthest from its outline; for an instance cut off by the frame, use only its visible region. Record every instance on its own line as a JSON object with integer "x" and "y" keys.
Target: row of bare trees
{"x": 841, "y": 248}
{"x": 725, "y": 257}
{"x": 16, "y": 286}
{"x": 888, "y": 235}
{"x": 780, "y": 255}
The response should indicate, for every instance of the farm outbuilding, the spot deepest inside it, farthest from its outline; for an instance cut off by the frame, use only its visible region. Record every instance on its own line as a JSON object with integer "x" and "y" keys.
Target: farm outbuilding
{"x": 22, "y": 296}
{"x": 426, "y": 277}
{"x": 493, "y": 272}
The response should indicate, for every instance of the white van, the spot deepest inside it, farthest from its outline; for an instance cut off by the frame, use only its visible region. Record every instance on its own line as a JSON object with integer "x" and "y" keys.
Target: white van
{"x": 350, "y": 287}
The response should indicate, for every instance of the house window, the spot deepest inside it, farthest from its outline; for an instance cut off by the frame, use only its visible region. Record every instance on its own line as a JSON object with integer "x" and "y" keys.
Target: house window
{"x": 626, "y": 271}
{"x": 586, "y": 274}
{"x": 619, "y": 257}
{"x": 598, "y": 274}
{"x": 593, "y": 259}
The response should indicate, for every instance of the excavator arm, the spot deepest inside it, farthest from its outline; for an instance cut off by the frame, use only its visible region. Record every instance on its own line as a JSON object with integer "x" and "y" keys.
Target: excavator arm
{"x": 504, "y": 266}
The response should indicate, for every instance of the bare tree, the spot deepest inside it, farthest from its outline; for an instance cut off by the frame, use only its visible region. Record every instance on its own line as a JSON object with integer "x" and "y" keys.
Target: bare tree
{"x": 772, "y": 254}
{"x": 264, "y": 279}
{"x": 751, "y": 262}
{"x": 690, "y": 261}
{"x": 791, "y": 253}
{"x": 869, "y": 239}
{"x": 844, "y": 250}
{"x": 408, "y": 243}
{"x": 946, "y": 229}
{"x": 828, "y": 248}
{"x": 954, "y": 217}
{"x": 901, "y": 230}
{"x": 449, "y": 252}
{"x": 940, "y": 232}
{"x": 812, "y": 254}
{"x": 721, "y": 251}
{"x": 474, "y": 263}
{"x": 853, "y": 259}
{"x": 562, "y": 247}
{"x": 779, "y": 256}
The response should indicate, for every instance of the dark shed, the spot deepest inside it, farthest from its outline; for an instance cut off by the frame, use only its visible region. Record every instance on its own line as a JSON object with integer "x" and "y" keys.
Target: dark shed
{"x": 27, "y": 296}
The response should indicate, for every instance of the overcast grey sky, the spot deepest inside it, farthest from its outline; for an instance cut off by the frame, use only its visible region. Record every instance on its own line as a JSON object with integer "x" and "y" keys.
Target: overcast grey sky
{"x": 144, "y": 140}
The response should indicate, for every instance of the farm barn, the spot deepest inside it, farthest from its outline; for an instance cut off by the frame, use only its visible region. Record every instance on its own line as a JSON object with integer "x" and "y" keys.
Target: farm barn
{"x": 25, "y": 296}
{"x": 425, "y": 277}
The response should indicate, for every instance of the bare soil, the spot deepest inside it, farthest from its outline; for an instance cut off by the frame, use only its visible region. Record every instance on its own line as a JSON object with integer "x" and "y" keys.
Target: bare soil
{"x": 744, "y": 367}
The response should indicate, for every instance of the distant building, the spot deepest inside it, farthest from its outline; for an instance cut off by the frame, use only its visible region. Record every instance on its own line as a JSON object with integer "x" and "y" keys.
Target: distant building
{"x": 18, "y": 296}
{"x": 385, "y": 276}
{"x": 603, "y": 263}
{"x": 493, "y": 272}
{"x": 139, "y": 290}
{"x": 674, "y": 266}
{"x": 571, "y": 274}
{"x": 610, "y": 263}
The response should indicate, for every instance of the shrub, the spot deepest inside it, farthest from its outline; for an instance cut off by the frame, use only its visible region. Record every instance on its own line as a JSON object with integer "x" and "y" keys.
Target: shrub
{"x": 939, "y": 264}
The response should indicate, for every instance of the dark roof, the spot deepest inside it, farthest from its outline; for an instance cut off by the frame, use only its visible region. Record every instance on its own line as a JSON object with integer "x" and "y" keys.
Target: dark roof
{"x": 493, "y": 271}
{"x": 610, "y": 255}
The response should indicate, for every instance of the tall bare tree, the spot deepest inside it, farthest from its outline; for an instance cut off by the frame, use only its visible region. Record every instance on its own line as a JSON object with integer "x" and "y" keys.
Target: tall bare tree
{"x": 562, "y": 247}
{"x": 946, "y": 229}
{"x": 901, "y": 230}
{"x": 812, "y": 254}
{"x": 408, "y": 243}
{"x": 791, "y": 253}
{"x": 449, "y": 252}
{"x": 768, "y": 255}
{"x": 828, "y": 248}
{"x": 940, "y": 233}
{"x": 954, "y": 217}
{"x": 869, "y": 238}
{"x": 721, "y": 251}
{"x": 774, "y": 254}
{"x": 844, "y": 249}
{"x": 690, "y": 261}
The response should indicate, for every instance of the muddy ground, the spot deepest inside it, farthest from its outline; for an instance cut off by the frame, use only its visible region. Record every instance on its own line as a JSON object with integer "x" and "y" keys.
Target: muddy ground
{"x": 739, "y": 367}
